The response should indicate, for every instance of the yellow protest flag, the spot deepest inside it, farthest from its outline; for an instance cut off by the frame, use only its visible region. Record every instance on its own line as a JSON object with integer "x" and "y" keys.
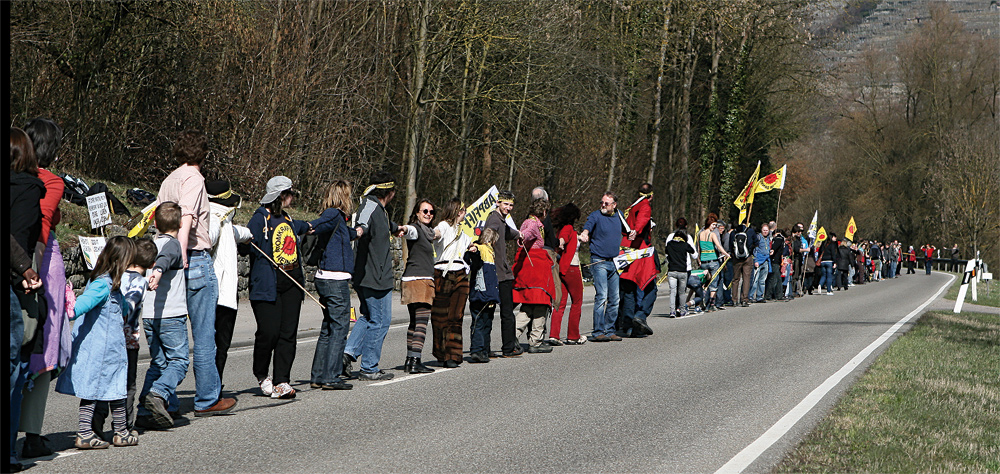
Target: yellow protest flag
{"x": 851, "y": 228}
{"x": 745, "y": 198}
{"x": 147, "y": 219}
{"x": 774, "y": 180}
{"x": 820, "y": 236}
{"x": 475, "y": 215}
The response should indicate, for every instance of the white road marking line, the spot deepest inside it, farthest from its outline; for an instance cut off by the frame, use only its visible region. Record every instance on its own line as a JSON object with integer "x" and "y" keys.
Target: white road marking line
{"x": 409, "y": 377}
{"x": 748, "y": 455}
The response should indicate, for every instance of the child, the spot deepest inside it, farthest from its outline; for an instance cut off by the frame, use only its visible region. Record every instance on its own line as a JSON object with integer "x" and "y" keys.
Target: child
{"x": 133, "y": 288}
{"x": 484, "y": 295}
{"x": 164, "y": 319}
{"x": 98, "y": 369}
{"x": 696, "y": 282}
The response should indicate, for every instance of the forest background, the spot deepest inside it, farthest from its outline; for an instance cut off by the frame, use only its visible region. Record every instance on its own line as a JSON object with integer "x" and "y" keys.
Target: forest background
{"x": 575, "y": 96}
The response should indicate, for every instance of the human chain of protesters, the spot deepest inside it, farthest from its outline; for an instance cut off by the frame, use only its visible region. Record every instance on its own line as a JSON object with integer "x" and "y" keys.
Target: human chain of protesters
{"x": 185, "y": 279}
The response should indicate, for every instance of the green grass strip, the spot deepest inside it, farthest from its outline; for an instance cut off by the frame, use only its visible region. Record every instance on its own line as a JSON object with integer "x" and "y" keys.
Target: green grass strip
{"x": 930, "y": 403}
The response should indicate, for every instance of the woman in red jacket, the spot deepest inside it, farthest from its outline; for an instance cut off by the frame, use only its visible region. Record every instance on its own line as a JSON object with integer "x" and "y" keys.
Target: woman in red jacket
{"x": 570, "y": 277}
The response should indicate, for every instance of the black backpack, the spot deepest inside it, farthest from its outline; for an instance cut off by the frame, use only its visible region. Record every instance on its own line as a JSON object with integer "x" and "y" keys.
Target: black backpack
{"x": 740, "y": 250}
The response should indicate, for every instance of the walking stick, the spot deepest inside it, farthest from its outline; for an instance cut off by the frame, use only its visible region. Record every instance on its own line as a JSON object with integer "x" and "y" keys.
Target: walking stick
{"x": 717, "y": 271}
{"x": 287, "y": 275}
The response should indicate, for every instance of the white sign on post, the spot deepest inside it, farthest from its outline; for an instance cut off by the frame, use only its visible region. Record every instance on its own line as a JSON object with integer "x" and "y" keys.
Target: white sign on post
{"x": 91, "y": 247}
{"x": 100, "y": 213}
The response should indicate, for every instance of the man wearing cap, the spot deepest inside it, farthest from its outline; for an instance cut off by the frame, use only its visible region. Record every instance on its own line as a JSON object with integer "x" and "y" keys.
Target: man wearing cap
{"x": 224, "y": 236}
{"x": 186, "y": 186}
{"x": 498, "y": 221}
{"x": 373, "y": 278}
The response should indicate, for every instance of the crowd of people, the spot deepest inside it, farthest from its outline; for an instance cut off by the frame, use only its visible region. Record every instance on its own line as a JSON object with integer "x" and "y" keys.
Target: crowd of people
{"x": 185, "y": 278}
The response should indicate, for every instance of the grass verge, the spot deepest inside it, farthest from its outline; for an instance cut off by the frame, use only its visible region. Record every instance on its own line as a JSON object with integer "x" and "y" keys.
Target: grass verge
{"x": 989, "y": 295}
{"x": 930, "y": 403}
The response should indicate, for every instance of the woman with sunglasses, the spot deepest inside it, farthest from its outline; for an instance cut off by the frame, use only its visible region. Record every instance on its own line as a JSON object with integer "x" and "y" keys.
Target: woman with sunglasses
{"x": 418, "y": 282}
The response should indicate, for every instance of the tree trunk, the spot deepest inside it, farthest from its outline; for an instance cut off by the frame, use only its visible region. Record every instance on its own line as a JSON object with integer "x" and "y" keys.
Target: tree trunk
{"x": 657, "y": 113}
{"x": 517, "y": 129}
{"x": 416, "y": 104}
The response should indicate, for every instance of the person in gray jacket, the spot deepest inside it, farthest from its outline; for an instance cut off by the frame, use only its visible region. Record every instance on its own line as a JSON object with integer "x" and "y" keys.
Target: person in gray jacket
{"x": 373, "y": 278}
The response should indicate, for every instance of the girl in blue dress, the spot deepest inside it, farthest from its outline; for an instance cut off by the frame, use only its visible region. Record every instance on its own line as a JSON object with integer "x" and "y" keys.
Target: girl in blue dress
{"x": 98, "y": 362}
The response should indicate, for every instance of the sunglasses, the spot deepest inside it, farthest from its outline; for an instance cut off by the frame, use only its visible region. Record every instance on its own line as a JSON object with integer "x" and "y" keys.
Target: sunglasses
{"x": 427, "y": 211}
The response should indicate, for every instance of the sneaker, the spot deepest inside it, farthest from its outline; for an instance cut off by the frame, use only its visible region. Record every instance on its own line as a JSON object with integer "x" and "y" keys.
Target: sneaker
{"x": 380, "y": 375}
{"x": 479, "y": 358}
{"x": 283, "y": 391}
{"x": 553, "y": 342}
{"x": 266, "y": 387}
{"x": 91, "y": 442}
{"x": 128, "y": 439}
{"x": 829, "y": 293}
{"x": 540, "y": 349}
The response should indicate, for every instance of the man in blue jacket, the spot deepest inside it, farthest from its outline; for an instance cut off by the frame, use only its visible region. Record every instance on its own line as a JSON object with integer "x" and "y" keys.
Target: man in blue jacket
{"x": 604, "y": 231}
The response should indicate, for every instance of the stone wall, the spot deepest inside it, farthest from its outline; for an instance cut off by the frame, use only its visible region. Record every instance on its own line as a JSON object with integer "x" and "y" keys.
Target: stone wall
{"x": 77, "y": 273}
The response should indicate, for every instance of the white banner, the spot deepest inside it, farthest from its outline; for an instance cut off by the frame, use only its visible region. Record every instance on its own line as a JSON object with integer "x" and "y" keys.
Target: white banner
{"x": 91, "y": 247}
{"x": 100, "y": 213}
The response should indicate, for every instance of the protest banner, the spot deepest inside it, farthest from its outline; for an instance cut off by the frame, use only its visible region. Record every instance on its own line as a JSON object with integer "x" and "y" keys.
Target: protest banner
{"x": 624, "y": 260}
{"x": 91, "y": 247}
{"x": 148, "y": 214}
{"x": 475, "y": 215}
{"x": 100, "y": 212}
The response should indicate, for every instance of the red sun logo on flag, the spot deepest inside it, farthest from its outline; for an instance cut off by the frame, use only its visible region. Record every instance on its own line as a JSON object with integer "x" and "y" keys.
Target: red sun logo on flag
{"x": 822, "y": 235}
{"x": 770, "y": 179}
{"x": 851, "y": 229}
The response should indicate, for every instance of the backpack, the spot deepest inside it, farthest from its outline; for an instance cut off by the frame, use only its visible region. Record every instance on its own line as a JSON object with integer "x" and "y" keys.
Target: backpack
{"x": 740, "y": 250}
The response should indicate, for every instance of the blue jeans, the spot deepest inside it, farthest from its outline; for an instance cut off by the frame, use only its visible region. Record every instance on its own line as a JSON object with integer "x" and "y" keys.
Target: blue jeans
{"x": 328, "y": 361}
{"x": 637, "y": 302}
{"x": 826, "y": 281}
{"x": 725, "y": 283}
{"x": 167, "y": 339}
{"x": 927, "y": 266}
{"x": 892, "y": 269}
{"x": 606, "y": 298}
{"x": 202, "y": 297}
{"x": 369, "y": 332}
{"x": 712, "y": 267}
{"x": 482, "y": 324}
{"x": 759, "y": 282}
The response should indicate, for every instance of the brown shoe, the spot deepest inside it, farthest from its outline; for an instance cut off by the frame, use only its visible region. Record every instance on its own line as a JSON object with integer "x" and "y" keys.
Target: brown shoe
{"x": 614, "y": 337}
{"x": 221, "y": 407}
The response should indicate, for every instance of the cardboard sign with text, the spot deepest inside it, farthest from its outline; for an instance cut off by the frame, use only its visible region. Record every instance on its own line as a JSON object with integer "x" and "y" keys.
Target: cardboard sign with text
{"x": 91, "y": 247}
{"x": 100, "y": 212}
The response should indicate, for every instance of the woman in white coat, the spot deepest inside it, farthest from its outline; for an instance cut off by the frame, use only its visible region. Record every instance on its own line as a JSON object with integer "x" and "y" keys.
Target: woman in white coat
{"x": 225, "y": 235}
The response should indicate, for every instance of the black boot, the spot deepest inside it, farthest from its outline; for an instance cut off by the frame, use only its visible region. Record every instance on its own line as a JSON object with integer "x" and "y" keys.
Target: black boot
{"x": 408, "y": 365}
{"x": 419, "y": 367}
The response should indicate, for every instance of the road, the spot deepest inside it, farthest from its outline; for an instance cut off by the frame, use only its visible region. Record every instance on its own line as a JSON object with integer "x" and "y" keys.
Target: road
{"x": 687, "y": 399}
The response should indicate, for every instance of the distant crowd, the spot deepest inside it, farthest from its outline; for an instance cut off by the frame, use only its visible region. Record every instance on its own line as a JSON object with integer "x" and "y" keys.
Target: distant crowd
{"x": 185, "y": 279}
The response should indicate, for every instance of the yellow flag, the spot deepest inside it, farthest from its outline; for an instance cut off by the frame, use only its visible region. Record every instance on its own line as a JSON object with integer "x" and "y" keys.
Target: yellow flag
{"x": 820, "y": 236}
{"x": 774, "y": 180}
{"x": 147, "y": 219}
{"x": 851, "y": 228}
{"x": 745, "y": 199}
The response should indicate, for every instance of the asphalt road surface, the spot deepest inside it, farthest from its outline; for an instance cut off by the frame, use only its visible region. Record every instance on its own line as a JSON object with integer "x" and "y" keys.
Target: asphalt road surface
{"x": 689, "y": 398}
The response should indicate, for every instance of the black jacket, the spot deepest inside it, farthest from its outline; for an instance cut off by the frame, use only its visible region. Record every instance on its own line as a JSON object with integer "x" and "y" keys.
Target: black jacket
{"x": 25, "y": 193}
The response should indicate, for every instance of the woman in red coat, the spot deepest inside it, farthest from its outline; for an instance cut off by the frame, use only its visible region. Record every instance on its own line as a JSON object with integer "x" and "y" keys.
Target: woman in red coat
{"x": 570, "y": 277}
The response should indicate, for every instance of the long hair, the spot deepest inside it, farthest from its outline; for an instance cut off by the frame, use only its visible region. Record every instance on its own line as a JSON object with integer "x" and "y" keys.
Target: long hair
{"x": 538, "y": 208}
{"x": 416, "y": 207}
{"x": 451, "y": 210}
{"x": 22, "y": 153}
{"x": 566, "y": 215}
{"x": 116, "y": 257}
{"x": 338, "y": 196}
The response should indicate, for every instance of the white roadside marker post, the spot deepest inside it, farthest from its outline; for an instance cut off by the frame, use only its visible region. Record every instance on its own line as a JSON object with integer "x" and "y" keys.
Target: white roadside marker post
{"x": 969, "y": 267}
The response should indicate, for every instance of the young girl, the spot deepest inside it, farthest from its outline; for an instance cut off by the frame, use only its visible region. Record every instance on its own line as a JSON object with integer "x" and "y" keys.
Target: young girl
{"x": 484, "y": 295}
{"x": 98, "y": 368}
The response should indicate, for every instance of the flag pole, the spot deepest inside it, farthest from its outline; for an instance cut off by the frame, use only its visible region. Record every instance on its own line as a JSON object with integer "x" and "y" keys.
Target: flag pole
{"x": 778, "y": 208}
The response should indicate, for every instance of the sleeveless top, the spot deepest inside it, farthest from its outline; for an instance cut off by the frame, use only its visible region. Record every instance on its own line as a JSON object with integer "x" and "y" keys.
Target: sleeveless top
{"x": 707, "y": 248}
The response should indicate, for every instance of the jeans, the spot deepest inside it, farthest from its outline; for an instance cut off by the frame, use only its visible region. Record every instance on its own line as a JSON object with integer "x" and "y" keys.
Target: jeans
{"x": 606, "y": 297}
{"x": 369, "y": 331}
{"x": 482, "y": 324}
{"x": 892, "y": 269}
{"x": 167, "y": 339}
{"x": 725, "y": 283}
{"x": 759, "y": 282}
{"x": 637, "y": 303}
{"x": 826, "y": 281}
{"x": 927, "y": 266}
{"x": 678, "y": 283}
{"x": 336, "y": 298}
{"x": 202, "y": 297}
{"x": 712, "y": 267}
